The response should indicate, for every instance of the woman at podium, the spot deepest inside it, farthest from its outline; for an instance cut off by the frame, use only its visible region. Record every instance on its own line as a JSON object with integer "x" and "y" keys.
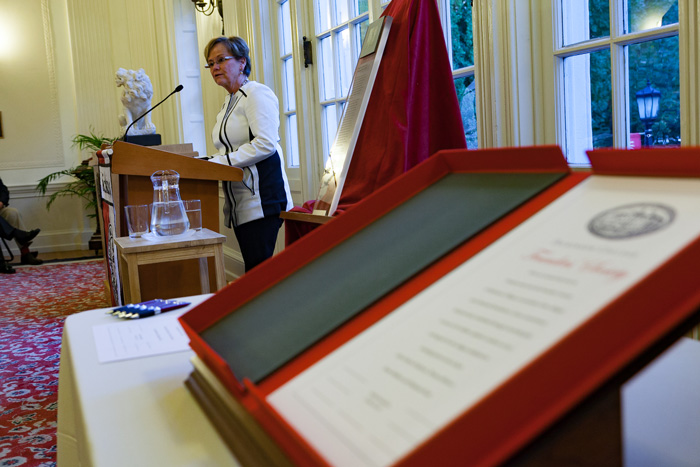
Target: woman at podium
{"x": 246, "y": 135}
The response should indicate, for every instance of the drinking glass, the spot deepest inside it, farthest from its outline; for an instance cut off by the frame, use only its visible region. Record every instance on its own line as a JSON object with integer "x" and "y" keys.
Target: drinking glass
{"x": 137, "y": 219}
{"x": 193, "y": 208}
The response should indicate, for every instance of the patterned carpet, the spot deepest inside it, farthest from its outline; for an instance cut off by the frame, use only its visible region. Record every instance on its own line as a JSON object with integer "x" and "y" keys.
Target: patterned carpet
{"x": 33, "y": 305}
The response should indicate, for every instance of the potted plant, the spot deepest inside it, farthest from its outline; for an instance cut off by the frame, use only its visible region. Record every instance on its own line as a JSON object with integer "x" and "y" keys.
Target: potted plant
{"x": 83, "y": 180}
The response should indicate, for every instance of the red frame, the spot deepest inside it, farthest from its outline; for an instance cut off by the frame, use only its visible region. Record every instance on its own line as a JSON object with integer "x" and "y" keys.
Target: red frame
{"x": 501, "y": 424}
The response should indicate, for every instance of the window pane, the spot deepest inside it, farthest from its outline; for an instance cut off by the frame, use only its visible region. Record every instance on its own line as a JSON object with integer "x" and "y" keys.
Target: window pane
{"x": 601, "y": 99}
{"x": 323, "y": 16}
{"x": 644, "y": 14}
{"x": 583, "y": 20}
{"x": 330, "y": 127}
{"x": 361, "y": 6}
{"x": 461, "y": 34}
{"x": 341, "y": 12}
{"x": 289, "y": 94}
{"x": 327, "y": 84}
{"x": 286, "y": 37}
{"x": 466, "y": 96}
{"x": 344, "y": 58}
{"x": 653, "y": 65}
{"x": 587, "y": 104}
{"x": 360, "y": 31}
{"x": 292, "y": 141}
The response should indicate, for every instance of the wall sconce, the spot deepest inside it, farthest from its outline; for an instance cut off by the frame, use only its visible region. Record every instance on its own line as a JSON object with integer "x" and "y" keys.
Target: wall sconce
{"x": 208, "y": 7}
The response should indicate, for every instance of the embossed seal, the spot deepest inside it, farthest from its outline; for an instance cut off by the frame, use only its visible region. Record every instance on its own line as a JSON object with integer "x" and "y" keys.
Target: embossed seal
{"x": 631, "y": 220}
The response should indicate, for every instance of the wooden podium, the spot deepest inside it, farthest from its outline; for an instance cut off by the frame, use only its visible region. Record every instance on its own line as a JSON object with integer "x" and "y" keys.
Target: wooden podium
{"x": 130, "y": 169}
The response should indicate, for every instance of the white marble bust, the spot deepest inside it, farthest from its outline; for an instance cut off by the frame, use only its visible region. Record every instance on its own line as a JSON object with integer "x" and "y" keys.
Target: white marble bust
{"x": 136, "y": 98}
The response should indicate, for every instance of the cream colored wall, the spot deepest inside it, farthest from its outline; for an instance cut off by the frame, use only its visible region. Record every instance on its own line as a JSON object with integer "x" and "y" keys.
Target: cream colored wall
{"x": 58, "y": 59}
{"x": 37, "y": 101}
{"x": 130, "y": 34}
{"x": 32, "y": 140}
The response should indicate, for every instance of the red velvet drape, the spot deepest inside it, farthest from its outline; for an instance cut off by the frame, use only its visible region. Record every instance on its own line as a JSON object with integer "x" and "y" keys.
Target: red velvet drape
{"x": 412, "y": 113}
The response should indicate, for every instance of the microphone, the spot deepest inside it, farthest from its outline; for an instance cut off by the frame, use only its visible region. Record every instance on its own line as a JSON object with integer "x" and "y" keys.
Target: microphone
{"x": 177, "y": 89}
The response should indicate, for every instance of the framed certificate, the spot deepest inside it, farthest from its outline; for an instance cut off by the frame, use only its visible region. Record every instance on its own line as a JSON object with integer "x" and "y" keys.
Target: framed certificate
{"x": 556, "y": 284}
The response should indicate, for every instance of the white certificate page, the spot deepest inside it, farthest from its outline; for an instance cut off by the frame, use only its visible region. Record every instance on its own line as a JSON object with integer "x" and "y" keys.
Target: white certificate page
{"x": 395, "y": 385}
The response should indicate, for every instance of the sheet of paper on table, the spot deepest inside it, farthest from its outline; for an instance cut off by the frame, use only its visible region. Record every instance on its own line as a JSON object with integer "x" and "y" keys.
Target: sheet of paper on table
{"x": 123, "y": 340}
{"x": 396, "y": 384}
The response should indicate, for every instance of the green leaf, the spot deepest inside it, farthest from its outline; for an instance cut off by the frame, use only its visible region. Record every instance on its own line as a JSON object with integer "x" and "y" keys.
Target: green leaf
{"x": 82, "y": 184}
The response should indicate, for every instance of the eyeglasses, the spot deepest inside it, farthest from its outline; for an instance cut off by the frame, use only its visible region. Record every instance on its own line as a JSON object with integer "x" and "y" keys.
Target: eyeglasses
{"x": 218, "y": 61}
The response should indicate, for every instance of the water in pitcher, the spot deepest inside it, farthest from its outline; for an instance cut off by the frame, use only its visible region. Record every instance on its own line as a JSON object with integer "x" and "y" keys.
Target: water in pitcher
{"x": 168, "y": 216}
{"x": 168, "y": 219}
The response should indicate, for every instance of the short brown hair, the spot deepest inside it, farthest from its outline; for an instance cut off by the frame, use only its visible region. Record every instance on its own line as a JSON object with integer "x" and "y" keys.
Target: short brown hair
{"x": 235, "y": 45}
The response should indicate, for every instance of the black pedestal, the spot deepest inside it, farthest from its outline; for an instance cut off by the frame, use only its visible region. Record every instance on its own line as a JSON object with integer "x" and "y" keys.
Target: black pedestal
{"x": 144, "y": 140}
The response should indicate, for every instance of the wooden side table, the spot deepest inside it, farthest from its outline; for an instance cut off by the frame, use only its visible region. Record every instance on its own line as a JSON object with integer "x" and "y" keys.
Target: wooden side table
{"x": 133, "y": 252}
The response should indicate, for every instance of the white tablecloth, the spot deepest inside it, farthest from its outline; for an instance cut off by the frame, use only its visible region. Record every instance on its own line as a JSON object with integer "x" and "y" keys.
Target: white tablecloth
{"x": 139, "y": 413}
{"x": 133, "y": 412}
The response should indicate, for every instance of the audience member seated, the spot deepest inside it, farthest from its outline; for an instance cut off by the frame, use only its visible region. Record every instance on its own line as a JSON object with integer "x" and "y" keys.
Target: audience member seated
{"x": 13, "y": 218}
{"x": 23, "y": 239}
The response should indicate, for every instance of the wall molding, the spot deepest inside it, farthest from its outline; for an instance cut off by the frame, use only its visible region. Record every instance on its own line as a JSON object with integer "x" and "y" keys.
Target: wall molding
{"x": 233, "y": 264}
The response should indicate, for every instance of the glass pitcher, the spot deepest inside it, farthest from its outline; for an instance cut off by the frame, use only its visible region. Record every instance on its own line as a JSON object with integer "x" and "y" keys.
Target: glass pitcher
{"x": 168, "y": 216}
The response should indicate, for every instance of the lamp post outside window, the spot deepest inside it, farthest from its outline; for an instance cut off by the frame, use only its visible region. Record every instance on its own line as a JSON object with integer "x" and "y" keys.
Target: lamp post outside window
{"x": 648, "y": 103}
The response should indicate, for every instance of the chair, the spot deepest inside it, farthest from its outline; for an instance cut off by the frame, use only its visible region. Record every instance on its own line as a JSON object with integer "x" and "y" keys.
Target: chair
{"x": 9, "y": 252}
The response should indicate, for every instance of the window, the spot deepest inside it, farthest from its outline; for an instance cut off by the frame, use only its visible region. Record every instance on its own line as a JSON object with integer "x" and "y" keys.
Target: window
{"x": 609, "y": 54}
{"x": 460, "y": 46}
{"x": 312, "y": 98}
{"x": 340, "y": 27}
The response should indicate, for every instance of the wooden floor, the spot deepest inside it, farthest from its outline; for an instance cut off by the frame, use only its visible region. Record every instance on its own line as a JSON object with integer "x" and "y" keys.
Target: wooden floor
{"x": 57, "y": 255}
{"x": 65, "y": 254}
{"x": 60, "y": 255}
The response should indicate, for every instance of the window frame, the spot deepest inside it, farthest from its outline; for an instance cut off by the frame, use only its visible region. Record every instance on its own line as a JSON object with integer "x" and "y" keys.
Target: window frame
{"x": 308, "y": 98}
{"x": 517, "y": 64}
{"x": 332, "y": 34}
{"x": 617, "y": 43}
{"x": 282, "y": 58}
{"x": 313, "y": 150}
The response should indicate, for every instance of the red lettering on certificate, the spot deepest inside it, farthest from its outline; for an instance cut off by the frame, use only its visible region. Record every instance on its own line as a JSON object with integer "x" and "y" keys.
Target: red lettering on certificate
{"x": 545, "y": 256}
{"x": 601, "y": 268}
